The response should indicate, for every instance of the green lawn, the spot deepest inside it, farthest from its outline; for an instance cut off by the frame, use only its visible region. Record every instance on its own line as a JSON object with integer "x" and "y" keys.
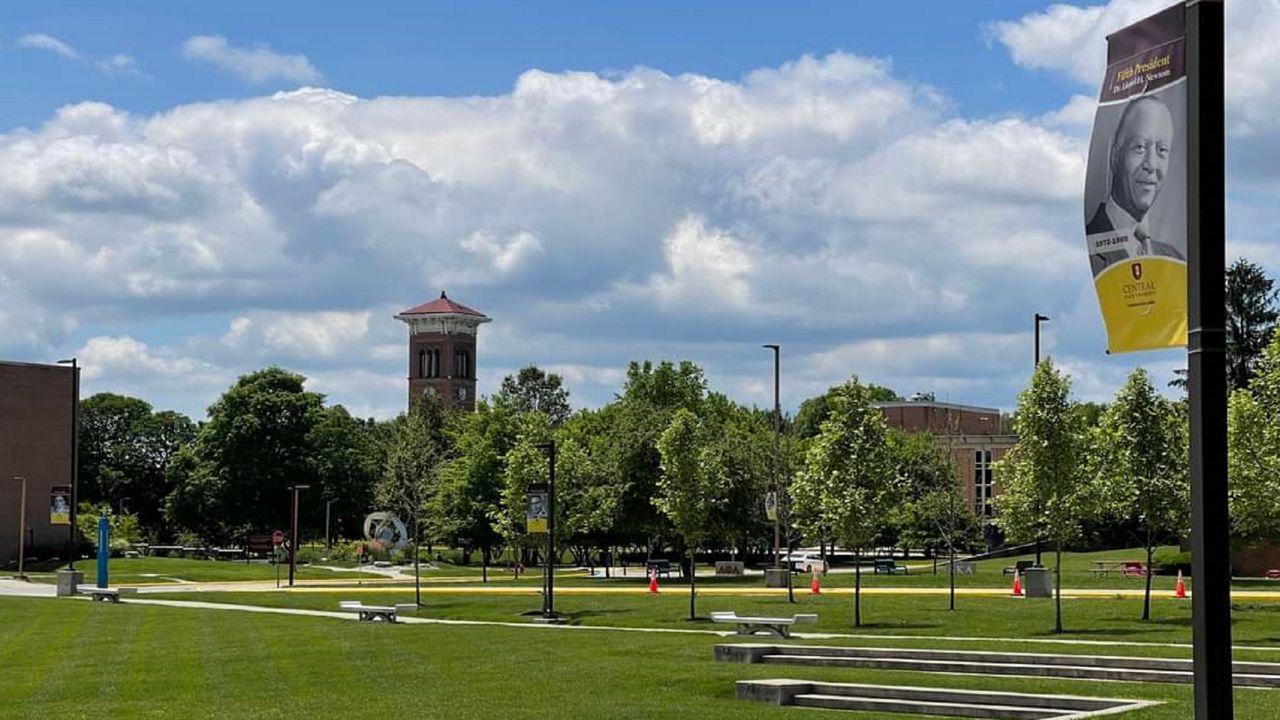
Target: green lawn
{"x": 165, "y": 569}
{"x": 73, "y": 659}
{"x": 1091, "y": 619}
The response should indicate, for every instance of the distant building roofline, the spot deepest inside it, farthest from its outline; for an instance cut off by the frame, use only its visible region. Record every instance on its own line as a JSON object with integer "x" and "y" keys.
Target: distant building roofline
{"x": 934, "y": 404}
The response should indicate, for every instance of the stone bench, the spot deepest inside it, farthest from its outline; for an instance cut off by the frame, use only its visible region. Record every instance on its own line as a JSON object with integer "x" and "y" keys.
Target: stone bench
{"x": 374, "y": 613}
{"x": 780, "y": 626}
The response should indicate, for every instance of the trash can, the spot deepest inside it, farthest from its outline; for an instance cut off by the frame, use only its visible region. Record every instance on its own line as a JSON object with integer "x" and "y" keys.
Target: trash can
{"x": 67, "y": 582}
{"x": 1035, "y": 582}
{"x": 775, "y": 577}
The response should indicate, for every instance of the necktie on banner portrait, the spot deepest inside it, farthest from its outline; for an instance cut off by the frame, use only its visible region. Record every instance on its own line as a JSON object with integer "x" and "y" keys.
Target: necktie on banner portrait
{"x": 1135, "y": 193}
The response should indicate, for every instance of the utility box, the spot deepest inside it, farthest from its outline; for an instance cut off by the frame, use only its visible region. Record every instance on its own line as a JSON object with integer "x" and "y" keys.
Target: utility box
{"x": 775, "y": 577}
{"x": 1035, "y": 581}
{"x": 68, "y": 580}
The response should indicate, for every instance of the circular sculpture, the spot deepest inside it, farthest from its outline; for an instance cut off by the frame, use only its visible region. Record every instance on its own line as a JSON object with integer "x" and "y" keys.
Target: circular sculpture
{"x": 385, "y": 528}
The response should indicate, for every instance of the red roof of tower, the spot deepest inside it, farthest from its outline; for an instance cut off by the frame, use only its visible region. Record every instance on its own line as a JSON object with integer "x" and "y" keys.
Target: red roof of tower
{"x": 442, "y": 306}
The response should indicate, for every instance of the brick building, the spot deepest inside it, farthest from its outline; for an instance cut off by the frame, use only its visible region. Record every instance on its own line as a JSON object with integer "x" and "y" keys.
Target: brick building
{"x": 35, "y": 443}
{"x": 442, "y": 351}
{"x": 974, "y": 437}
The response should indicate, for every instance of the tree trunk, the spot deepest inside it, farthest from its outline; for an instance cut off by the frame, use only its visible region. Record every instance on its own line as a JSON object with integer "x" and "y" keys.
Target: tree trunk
{"x": 952, "y": 572}
{"x": 858, "y": 588}
{"x": 1146, "y": 599}
{"x": 484, "y": 563}
{"x": 693, "y": 588}
{"x": 1057, "y": 594}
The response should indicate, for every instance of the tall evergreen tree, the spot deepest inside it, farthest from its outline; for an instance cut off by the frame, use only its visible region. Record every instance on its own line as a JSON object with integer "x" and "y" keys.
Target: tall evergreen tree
{"x": 1251, "y": 319}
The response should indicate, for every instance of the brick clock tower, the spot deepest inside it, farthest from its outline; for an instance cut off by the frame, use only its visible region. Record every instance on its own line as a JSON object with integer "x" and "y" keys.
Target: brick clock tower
{"x": 442, "y": 351}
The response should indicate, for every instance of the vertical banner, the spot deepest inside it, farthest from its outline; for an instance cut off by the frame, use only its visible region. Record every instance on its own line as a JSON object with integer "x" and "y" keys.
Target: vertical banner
{"x": 535, "y": 515}
{"x": 1135, "y": 192}
{"x": 771, "y": 506}
{"x": 60, "y": 505}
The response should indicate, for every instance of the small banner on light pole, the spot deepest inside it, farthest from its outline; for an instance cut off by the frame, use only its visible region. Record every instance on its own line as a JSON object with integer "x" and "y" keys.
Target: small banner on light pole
{"x": 535, "y": 514}
{"x": 1135, "y": 192}
{"x": 60, "y": 505}
{"x": 771, "y": 505}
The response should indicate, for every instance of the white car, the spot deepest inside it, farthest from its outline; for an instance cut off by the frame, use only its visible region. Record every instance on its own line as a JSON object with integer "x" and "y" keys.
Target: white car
{"x": 806, "y": 562}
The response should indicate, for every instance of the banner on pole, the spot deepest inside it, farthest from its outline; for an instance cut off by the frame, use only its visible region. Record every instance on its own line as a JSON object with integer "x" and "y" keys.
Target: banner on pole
{"x": 1135, "y": 193}
{"x": 60, "y": 505}
{"x": 535, "y": 516}
{"x": 771, "y": 506}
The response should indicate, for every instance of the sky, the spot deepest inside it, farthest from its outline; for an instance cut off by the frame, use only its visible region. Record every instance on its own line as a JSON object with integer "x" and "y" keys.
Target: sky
{"x": 190, "y": 192}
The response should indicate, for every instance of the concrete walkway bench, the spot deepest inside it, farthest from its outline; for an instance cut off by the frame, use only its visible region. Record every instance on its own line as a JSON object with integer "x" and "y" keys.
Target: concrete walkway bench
{"x": 779, "y": 626}
{"x": 102, "y": 594}
{"x": 374, "y": 613}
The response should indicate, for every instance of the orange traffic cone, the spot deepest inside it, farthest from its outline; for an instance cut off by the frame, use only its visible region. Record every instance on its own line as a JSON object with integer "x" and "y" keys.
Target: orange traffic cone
{"x": 1017, "y": 584}
{"x": 815, "y": 587}
{"x": 1180, "y": 589}
{"x": 653, "y": 583}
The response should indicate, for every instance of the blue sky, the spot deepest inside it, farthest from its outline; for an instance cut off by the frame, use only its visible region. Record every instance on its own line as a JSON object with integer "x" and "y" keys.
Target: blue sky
{"x": 889, "y": 189}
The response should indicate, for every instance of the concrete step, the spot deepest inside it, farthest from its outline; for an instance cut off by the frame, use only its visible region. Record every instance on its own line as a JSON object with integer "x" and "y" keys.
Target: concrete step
{"x": 1088, "y": 667}
{"x": 928, "y": 701}
{"x": 921, "y": 707}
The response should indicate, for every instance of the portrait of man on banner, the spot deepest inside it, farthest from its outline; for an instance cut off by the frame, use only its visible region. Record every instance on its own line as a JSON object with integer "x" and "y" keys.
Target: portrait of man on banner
{"x": 1141, "y": 150}
{"x": 536, "y": 509}
{"x": 60, "y": 505}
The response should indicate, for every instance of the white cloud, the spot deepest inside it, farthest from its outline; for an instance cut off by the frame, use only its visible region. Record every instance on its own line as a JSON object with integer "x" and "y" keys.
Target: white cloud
{"x": 256, "y": 65}
{"x": 824, "y": 203}
{"x": 41, "y": 41}
{"x": 119, "y": 64}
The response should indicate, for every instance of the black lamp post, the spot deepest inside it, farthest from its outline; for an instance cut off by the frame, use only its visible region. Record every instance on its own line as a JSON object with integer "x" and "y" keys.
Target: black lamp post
{"x": 75, "y": 457}
{"x": 22, "y": 529}
{"x": 549, "y": 587}
{"x": 777, "y": 481}
{"x": 293, "y": 531}
{"x": 1039, "y": 319}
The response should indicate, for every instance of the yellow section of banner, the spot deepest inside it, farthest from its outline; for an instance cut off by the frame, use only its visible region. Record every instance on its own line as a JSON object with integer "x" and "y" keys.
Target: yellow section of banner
{"x": 1144, "y": 304}
{"x": 535, "y": 525}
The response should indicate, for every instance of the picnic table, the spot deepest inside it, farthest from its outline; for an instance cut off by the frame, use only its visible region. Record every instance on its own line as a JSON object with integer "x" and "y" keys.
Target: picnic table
{"x": 889, "y": 566}
{"x": 780, "y": 626}
{"x": 1128, "y": 568}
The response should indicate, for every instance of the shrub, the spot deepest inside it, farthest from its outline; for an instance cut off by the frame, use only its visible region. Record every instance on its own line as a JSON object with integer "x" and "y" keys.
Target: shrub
{"x": 1166, "y": 561}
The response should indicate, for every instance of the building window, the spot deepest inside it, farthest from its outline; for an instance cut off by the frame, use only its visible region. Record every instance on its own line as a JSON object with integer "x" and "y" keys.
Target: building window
{"x": 428, "y": 363}
{"x": 983, "y": 484}
{"x": 462, "y": 364}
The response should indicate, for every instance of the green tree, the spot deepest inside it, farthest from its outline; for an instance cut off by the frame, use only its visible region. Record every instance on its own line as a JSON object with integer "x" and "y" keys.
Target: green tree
{"x": 1253, "y": 454}
{"x": 1251, "y": 320}
{"x": 409, "y": 480}
{"x": 526, "y": 465}
{"x": 534, "y": 390}
{"x": 256, "y": 443}
{"x": 348, "y": 456}
{"x": 922, "y": 468}
{"x": 469, "y": 501}
{"x": 125, "y": 452}
{"x": 1142, "y": 467}
{"x": 689, "y": 488}
{"x": 815, "y": 410}
{"x": 848, "y": 483}
{"x": 1043, "y": 490}
{"x": 944, "y": 520}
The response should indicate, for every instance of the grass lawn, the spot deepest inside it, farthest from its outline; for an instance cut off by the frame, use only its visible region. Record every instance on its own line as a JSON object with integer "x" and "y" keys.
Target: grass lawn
{"x": 1093, "y": 619}
{"x": 147, "y": 570}
{"x": 74, "y": 659}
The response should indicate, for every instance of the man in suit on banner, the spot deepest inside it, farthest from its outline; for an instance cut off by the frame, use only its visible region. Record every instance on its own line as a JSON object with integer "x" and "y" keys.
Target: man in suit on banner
{"x": 1139, "y": 159}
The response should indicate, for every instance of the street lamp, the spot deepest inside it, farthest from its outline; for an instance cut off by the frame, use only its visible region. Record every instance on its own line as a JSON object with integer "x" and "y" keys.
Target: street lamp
{"x": 548, "y": 596}
{"x": 1039, "y": 319}
{"x": 22, "y": 529}
{"x": 75, "y": 458}
{"x": 293, "y": 532}
{"x": 328, "y": 545}
{"x": 777, "y": 483}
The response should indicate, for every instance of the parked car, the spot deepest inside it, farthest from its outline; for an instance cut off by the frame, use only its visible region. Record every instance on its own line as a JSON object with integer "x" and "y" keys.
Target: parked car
{"x": 806, "y": 562}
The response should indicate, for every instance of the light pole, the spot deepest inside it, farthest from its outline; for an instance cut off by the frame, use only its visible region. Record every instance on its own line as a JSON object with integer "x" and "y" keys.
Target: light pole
{"x": 293, "y": 532}
{"x": 777, "y": 481}
{"x": 75, "y": 457}
{"x": 328, "y": 545}
{"x": 22, "y": 529}
{"x": 548, "y": 597}
{"x": 1039, "y": 319}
